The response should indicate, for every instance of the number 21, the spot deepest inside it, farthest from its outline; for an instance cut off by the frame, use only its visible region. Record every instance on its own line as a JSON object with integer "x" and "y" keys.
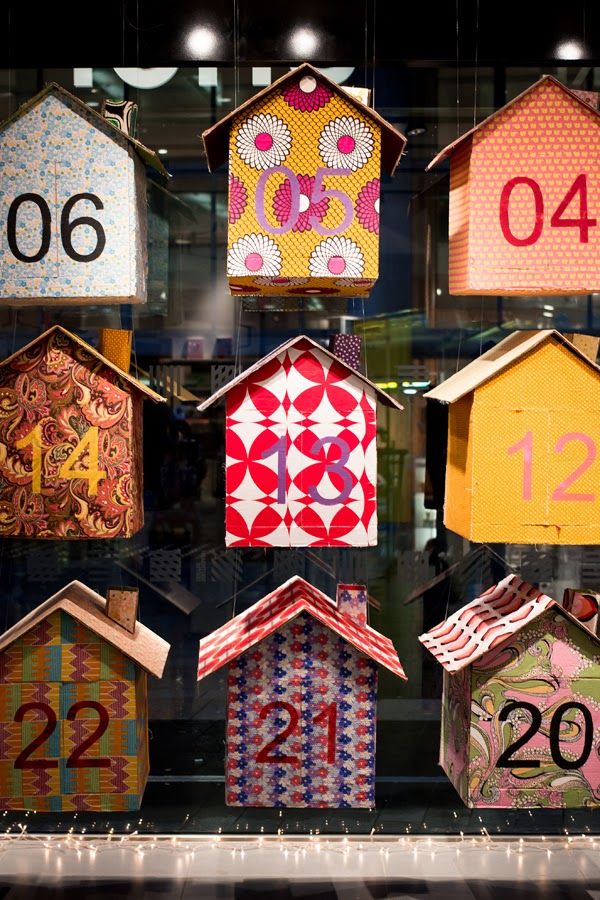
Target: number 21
{"x": 525, "y": 445}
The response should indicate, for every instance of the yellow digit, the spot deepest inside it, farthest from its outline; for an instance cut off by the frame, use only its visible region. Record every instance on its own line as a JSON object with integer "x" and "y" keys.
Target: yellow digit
{"x": 35, "y": 439}
{"x": 88, "y": 442}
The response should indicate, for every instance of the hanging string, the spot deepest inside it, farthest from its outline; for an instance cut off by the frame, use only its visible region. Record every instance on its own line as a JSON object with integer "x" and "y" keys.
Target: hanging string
{"x": 476, "y": 79}
{"x": 457, "y": 72}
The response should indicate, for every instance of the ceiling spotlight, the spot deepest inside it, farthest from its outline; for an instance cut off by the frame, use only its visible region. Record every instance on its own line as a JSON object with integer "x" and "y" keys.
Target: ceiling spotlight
{"x": 414, "y": 131}
{"x": 571, "y": 49}
{"x": 201, "y": 42}
{"x": 162, "y": 151}
{"x": 303, "y": 42}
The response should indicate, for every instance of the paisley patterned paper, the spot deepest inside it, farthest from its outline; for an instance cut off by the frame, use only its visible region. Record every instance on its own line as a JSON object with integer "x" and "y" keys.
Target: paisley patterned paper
{"x": 57, "y": 386}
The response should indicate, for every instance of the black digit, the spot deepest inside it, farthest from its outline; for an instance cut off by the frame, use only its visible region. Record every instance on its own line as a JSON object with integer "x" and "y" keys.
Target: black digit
{"x": 504, "y": 760}
{"x": 555, "y": 724}
{"x": 11, "y": 227}
{"x": 67, "y": 228}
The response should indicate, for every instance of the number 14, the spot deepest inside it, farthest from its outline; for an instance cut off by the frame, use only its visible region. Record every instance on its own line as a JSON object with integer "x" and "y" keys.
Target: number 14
{"x": 525, "y": 446}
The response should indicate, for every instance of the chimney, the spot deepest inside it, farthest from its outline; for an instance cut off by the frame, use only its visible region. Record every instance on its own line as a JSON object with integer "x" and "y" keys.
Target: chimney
{"x": 122, "y": 605}
{"x": 122, "y": 115}
{"x": 584, "y": 606}
{"x": 347, "y": 348}
{"x": 115, "y": 346}
{"x": 351, "y": 600}
{"x": 585, "y": 343}
{"x": 363, "y": 95}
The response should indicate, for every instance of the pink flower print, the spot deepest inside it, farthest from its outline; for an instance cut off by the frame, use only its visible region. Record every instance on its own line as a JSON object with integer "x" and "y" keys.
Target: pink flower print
{"x": 367, "y": 206}
{"x": 307, "y": 94}
{"x": 282, "y": 204}
{"x": 238, "y": 198}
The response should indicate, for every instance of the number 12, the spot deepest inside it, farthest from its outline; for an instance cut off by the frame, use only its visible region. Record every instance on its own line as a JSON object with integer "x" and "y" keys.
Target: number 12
{"x": 525, "y": 445}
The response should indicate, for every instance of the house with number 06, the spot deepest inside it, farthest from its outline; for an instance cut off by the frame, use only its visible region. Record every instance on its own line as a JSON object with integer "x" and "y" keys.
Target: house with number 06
{"x": 305, "y": 163}
{"x": 301, "y": 451}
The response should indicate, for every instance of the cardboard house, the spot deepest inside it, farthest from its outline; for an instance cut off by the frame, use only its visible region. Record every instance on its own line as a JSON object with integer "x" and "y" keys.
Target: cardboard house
{"x": 525, "y": 197}
{"x": 301, "y": 697}
{"x": 74, "y": 704}
{"x": 70, "y": 440}
{"x": 520, "y": 710}
{"x": 523, "y": 438}
{"x": 301, "y": 455}
{"x": 72, "y": 205}
{"x": 305, "y": 162}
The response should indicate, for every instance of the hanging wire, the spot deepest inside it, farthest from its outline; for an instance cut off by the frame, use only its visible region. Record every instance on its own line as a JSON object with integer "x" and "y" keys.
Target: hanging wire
{"x": 457, "y": 72}
{"x": 476, "y": 79}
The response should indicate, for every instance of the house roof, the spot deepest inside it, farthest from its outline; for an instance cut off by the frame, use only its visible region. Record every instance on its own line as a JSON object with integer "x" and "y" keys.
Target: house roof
{"x": 148, "y": 156}
{"x": 152, "y": 395}
{"x": 144, "y": 647}
{"x": 449, "y": 150}
{"x": 496, "y": 359}
{"x": 216, "y": 138}
{"x": 279, "y": 607}
{"x": 488, "y": 621}
{"x": 301, "y": 342}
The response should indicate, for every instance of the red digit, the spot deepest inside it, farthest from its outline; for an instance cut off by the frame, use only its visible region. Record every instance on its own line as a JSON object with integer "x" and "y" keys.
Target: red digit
{"x": 75, "y": 760}
{"x": 560, "y": 491}
{"x": 584, "y": 223}
{"x": 22, "y": 761}
{"x": 329, "y": 717}
{"x": 539, "y": 212}
{"x": 263, "y": 756}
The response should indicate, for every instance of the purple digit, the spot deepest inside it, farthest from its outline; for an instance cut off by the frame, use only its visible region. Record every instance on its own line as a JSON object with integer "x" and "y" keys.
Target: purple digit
{"x": 334, "y": 467}
{"x": 279, "y": 447}
{"x": 259, "y": 200}
{"x": 319, "y": 193}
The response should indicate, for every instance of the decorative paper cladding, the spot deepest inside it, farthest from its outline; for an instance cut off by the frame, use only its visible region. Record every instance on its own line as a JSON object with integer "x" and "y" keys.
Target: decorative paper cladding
{"x": 521, "y": 701}
{"x": 301, "y": 458}
{"x": 72, "y": 208}
{"x": 523, "y": 462}
{"x": 70, "y": 445}
{"x": 525, "y": 198}
{"x": 297, "y": 224}
{"x": 301, "y": 721}
{"x": 90, "y": 701}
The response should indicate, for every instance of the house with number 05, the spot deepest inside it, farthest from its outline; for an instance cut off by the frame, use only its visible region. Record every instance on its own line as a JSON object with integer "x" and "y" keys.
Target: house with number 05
{"x": 521, "y": 701}
{"x": 525, "y": 196}
{"x": 305, "y": 163}
{"x": 71, "y": 439}
{"x": 301, "y": 697}
{"x": 301, "y": 451}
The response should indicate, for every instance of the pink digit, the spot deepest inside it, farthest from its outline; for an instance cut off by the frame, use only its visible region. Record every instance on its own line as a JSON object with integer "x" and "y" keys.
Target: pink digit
{"x": 259, "y": 200}
{"x": 526, "y": 445}
{"x": 560, "y": 492}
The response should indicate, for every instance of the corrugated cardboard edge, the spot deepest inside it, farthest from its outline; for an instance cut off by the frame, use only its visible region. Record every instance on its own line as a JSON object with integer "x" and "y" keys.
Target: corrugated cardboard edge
{"x": 144, "y": 647}
{"x": 216, "y": 138}
{"x": 148, "y": 392}
{"x": 297, "y": 606}
{"x": 450, "y": 148}
{"x": 147, "y": 155}
{"x": 384, "y": 398}
{"x": 496, "y": 359}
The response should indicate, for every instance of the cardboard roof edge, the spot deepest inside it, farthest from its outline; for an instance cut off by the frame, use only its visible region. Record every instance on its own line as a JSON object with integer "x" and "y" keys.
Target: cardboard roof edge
{"x": 144, "y": 647}
{"x": 216, "y": 138}
{"x": 152, "y": 395}
{"x": 496, "y": 359}
{"x": 385, "y": 398}
{"x": 450, "y": 148}
{"x": 147, "y": 155}
{"x": 295, "y": 607}
{"x": 552, "y": 604}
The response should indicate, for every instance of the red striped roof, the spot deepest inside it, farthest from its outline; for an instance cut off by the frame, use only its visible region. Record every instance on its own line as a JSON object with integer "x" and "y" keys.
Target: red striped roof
{"x": 276, "y": 609}
{"x": 485, "y": 623}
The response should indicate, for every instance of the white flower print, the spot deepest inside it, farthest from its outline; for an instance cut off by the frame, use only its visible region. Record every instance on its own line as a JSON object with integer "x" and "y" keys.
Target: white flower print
{"x": 263, "y": 141}
{"x": 337, "y": 256}
{"x": 346, "y": 143}
{"x": 254, "y": 254}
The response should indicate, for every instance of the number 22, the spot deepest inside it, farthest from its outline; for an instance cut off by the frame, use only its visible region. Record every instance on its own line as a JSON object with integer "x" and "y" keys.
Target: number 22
{"x": 76, "y": 760}
{"x": 525, "y": 445}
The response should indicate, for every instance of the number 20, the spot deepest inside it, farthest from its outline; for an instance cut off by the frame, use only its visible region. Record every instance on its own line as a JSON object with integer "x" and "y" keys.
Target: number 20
{"x": 525, "y": 445}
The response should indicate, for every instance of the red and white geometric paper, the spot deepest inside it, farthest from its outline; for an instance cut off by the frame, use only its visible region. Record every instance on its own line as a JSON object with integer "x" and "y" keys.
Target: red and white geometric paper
{"x": 301, "y": 456}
